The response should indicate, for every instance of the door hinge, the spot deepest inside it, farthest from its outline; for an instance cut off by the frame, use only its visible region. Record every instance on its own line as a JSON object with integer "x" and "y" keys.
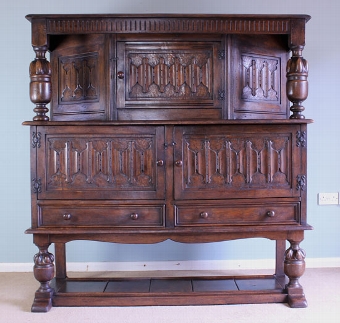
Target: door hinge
{"x": 301, "y": 139}
{"x": 36, "y": 140}
{"x": 221, "y": 95}
{"x": 221, "y": 54}
{"x": 36, "y": 184}
{"x": 301, "y": 182}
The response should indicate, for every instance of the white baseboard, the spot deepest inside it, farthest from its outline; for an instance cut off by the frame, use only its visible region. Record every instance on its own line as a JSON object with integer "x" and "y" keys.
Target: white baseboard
{"x": 211, "y": 265}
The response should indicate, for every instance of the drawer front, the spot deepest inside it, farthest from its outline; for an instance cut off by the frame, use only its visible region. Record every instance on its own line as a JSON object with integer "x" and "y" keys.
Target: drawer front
{"x": 102, "y": 216}
{"x": 236, "y": 214}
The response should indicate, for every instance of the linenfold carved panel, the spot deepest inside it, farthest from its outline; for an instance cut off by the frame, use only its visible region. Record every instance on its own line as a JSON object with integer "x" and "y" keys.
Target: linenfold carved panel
{"x": 78, "y": 78}
{"x": 238, "y": 162}
{"x": 174, "y": 74}
{"x": 261, "y": 78}
{"x": 104, "y": 163}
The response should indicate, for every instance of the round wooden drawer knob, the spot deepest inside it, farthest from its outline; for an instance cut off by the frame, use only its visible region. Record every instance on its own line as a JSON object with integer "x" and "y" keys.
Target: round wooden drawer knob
{"x": 160, "y": 162}
{"x": 204, "y": 215}
{"x": 270, "y": 214}
{"x": 178, "y": 163}
{"x": 120, "y": 75}
{"x": 134, "y": 216}
{"x": 67, "y": 216}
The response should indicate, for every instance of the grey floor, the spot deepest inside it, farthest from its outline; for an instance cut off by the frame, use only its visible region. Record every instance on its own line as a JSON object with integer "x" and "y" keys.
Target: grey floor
{"x": 321, "y": 286}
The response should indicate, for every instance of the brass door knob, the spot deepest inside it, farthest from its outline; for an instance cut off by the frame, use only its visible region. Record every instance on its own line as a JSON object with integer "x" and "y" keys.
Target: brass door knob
{"x": 120, "y": 75}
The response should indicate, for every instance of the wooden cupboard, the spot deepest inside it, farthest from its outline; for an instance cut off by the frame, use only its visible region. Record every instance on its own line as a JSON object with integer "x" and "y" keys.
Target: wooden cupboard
{"x": 168, "y": 127}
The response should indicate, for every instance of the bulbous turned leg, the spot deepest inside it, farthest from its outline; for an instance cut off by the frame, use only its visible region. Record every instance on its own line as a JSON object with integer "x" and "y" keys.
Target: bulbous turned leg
{"x": 40, "y": 85}
{"x": 43, "y": 272}
{"x": 294, "y": 267}
{"x": 297, "y": 84}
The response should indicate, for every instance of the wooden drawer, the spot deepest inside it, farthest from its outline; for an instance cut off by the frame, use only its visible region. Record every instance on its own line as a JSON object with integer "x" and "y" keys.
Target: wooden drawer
{"x": 238, "y": 214}
{"x": 102, "y": 215}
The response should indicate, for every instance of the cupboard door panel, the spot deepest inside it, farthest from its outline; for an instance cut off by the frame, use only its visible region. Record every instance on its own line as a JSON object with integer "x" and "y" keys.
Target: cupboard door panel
{"x": 236, "y": 161}
{"x": 80, "y": 78}
{"x": 158, "y": 76}
{"x": 257, "y": 89}
{"x": 106, "y": 163}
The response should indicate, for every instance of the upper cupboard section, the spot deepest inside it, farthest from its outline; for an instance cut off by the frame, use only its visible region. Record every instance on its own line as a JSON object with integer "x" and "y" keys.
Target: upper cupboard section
{"x": 168, "y": 77}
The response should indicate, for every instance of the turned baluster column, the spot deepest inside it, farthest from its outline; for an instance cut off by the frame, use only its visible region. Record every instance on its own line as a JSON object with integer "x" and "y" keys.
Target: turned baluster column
{"x": 43, "y": 272}
{"x": 40, "y": 85}
{"x": 294, "y": 267}
{"x": 297, "y": 84}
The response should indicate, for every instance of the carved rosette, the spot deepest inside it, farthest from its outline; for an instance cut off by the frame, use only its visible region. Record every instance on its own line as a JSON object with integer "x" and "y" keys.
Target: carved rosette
{"x": 40, "y": 85}
{"x": 297, "y": 84}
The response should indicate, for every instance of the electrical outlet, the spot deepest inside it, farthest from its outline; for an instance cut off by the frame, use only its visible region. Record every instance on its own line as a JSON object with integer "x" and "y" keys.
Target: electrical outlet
{"x": 328, "y": 198}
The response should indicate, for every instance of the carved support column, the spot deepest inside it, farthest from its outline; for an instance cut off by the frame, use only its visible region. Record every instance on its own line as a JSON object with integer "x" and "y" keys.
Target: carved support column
{"x": 43, "y": 272}
{"x": 297, "y": 84}
{"x": 40, "y": 85}
{"x": 294, "y": 267}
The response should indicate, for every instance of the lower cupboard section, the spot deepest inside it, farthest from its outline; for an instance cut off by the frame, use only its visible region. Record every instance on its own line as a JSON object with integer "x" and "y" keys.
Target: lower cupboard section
{"x": 169, "y": 291}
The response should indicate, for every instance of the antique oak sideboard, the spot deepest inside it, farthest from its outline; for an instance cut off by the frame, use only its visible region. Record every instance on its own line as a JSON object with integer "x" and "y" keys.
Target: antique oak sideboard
{"x": 156, "y": 127}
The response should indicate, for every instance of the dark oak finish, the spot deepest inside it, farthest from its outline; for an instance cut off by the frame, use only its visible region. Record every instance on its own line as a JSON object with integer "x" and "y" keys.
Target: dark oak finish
{"x": 168, "y": 127}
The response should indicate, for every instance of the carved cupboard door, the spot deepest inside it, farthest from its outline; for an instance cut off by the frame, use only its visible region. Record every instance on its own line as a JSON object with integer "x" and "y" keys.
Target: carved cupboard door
{"x": 258, "y": 86}
{"x": 80, "y": 78}
{"x": 237, "y": 161}
{"x": 109, "y": 162}
{"x": 176, "y": 78}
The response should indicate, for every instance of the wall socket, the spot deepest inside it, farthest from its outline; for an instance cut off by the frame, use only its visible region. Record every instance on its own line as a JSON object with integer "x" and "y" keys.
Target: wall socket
{"x": 328, "y": 198}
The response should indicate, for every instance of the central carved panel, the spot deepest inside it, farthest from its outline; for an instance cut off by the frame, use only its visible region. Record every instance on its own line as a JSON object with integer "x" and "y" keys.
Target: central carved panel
{"x": 261, "y": 78}
{"x": 78, "y": 78}
{"x": 244, "y": 162}
{"x": 104, "y": 163}
{"x": 170, "y": 74}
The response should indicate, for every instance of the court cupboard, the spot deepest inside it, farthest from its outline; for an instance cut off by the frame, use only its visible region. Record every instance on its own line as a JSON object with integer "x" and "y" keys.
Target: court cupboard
{"x": 156, "y": 127}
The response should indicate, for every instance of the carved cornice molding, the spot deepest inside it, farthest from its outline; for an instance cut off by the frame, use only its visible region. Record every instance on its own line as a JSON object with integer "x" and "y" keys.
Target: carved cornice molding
{"x": 168, "y": 25}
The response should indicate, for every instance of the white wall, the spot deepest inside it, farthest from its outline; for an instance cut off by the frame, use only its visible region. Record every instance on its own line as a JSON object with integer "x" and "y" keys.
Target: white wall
{"x": 322, "y": 52}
